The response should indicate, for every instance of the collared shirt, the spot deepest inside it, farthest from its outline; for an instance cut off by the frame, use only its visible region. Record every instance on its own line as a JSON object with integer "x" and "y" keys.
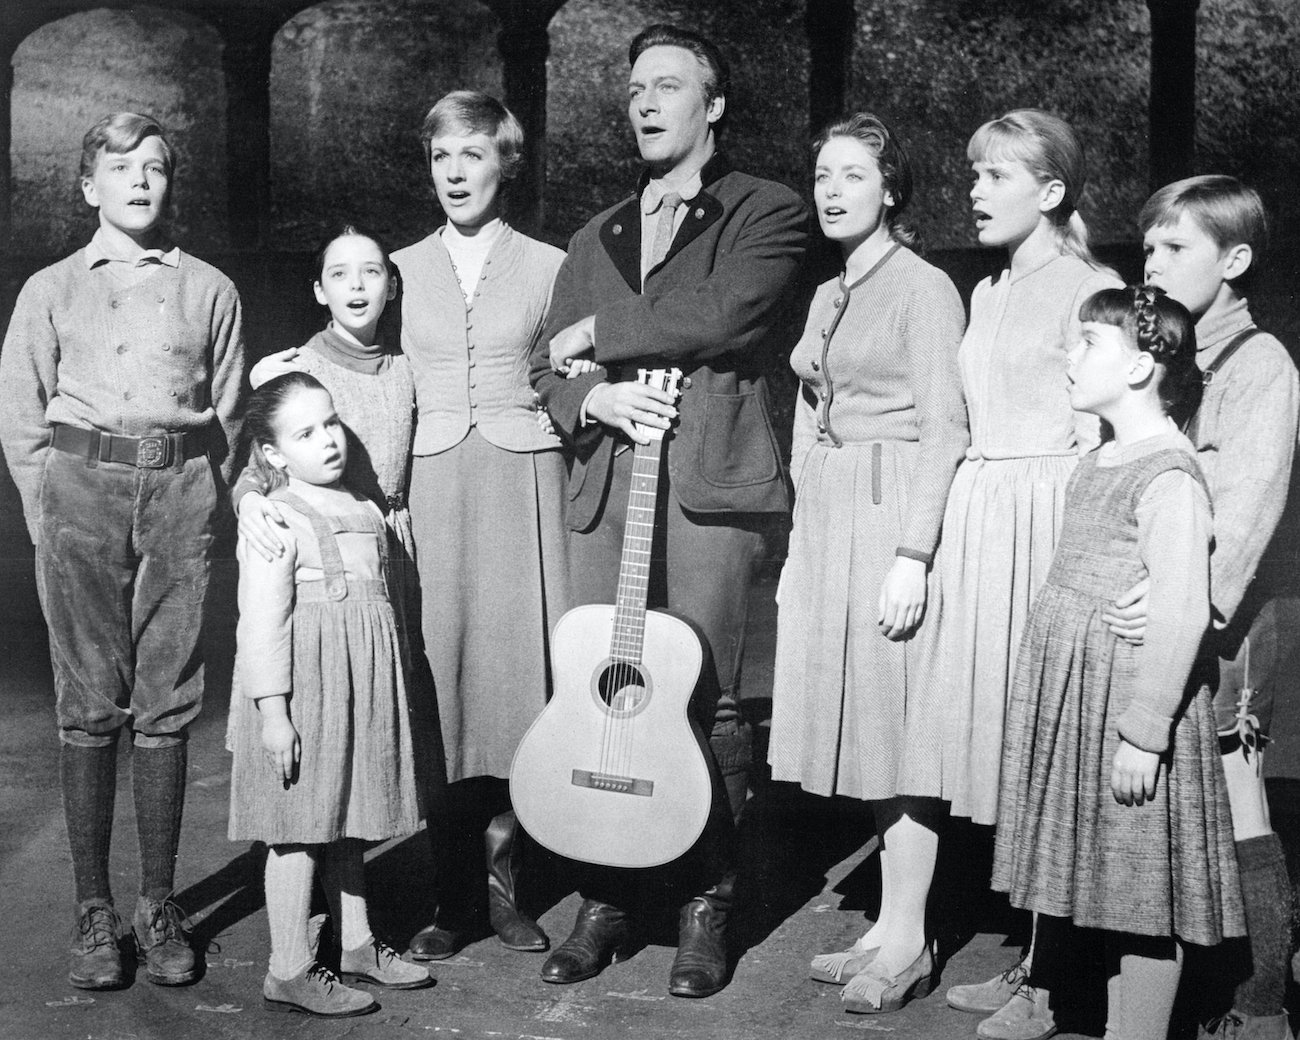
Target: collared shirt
{"x": 652, "y": 198}
{"x": 127, "y": 271}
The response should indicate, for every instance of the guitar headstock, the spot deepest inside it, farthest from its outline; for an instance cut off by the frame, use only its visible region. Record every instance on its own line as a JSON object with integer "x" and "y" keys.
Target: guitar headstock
{"x": 667, "y": 379}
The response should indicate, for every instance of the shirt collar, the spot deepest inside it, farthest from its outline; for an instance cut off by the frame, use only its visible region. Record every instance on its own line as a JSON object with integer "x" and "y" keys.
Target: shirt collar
{"x": 652, "y": 196}
{"x": 97, "y": 253}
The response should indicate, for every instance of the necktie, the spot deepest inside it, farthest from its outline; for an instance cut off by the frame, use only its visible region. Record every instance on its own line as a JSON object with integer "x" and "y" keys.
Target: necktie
{"x": 664, "y": 228}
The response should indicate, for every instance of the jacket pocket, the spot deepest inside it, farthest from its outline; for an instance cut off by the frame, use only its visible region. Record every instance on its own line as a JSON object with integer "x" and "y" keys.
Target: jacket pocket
{"x": 738, "y": 447}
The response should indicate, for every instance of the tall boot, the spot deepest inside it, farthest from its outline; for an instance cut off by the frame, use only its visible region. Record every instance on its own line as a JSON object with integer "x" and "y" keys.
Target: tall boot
{"x": 504, "y": 846}
{"x": 700, "y": 967}
{"x": 459, "y": 918}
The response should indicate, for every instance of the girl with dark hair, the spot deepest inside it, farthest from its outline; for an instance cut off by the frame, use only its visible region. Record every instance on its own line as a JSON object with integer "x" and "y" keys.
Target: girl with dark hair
{"x": 324, "y": 758}
{"x": 880, "y": 427}
{"x": 1113, "y": 809}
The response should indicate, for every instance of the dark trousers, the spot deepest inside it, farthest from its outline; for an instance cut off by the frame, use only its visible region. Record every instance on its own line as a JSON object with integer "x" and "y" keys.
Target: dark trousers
{"x": 701, "y": 568}
{"x": 122, "y": 571}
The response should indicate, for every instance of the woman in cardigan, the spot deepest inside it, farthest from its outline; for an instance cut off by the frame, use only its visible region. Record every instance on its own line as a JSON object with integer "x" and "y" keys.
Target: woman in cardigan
{"x": 880, "y": 428}
{"x": 486, "y": 505}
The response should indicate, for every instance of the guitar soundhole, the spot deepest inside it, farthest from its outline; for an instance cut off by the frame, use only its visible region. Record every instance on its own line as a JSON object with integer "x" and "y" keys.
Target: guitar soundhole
{"x": 622, "y": 688}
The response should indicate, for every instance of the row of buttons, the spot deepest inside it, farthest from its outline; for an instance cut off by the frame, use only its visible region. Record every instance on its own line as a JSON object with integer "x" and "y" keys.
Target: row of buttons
{"x": 116, "y": 302}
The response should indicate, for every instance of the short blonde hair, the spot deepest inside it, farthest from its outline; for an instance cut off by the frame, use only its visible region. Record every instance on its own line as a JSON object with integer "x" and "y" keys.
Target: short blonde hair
{"x": 479, "y": 114}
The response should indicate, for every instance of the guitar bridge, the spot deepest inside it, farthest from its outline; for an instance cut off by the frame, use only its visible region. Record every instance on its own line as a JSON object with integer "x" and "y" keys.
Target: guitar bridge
{"x": 615, "y": 784}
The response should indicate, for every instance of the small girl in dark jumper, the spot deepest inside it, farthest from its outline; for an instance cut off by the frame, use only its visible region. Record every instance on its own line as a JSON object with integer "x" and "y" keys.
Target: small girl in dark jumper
{"x": 323, "y": 750}
{"x": 1113, "y": 810}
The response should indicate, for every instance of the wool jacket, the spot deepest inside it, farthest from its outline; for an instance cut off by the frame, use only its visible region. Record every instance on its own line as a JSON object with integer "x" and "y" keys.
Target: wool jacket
{"x": 716, "y": 307}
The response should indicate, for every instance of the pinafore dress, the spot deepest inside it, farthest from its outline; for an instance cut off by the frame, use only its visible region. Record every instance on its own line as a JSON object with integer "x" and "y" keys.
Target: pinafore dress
{"x": 357, "y": 775}
{"x": 1064, "y": 846}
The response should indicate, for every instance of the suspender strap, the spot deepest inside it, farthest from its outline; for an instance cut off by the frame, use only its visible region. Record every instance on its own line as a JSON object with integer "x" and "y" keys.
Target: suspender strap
{"x": 336, "y": 584}
{"x": 1207, "y": 377}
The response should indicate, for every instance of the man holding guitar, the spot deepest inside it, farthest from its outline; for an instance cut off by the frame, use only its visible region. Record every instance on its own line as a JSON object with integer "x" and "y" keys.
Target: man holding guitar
{"x": 693, "y": 272}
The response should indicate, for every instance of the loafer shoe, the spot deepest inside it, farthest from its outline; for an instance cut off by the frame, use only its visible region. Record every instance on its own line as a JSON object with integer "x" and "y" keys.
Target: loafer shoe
{"x": 378, "y": 963}
{"x": 95, "y": 957}
{"x": 163, "y": 943}
{"x": 316, "y": 992}
{"x": 837, "y": 968}
{"x": 873, "y": 992}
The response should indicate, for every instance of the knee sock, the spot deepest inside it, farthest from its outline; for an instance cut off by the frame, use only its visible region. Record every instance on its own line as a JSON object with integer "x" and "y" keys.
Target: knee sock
{"x": 1266, "y": 893}
{"x": 1149, "y": 970}
{"x": 88, "y": 776}
{"x": 343, "y": 871}
{"x": 289, "y": 872}
{"x": 158, "y": 781}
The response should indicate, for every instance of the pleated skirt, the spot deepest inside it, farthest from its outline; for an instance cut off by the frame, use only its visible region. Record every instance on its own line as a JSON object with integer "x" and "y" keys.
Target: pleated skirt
{"x": 491, "y": 550}
{"x": 843, "y": 693}
{"x": 1000, "y": 530}
{"x": 1064, "y": 846}
{"x": 357, "y": 776}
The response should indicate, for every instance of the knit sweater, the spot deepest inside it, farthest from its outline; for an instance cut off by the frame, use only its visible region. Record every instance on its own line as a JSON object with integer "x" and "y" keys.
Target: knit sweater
{"x": 880, "y": 359}
{"x": 1246, "y": 432}
{"x": 165, "y": 355}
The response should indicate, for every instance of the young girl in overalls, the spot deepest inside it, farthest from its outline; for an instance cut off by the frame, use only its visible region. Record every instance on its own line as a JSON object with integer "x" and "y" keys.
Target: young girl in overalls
{"x": 322, "y": 735}
{"x": 1113, "y": 809}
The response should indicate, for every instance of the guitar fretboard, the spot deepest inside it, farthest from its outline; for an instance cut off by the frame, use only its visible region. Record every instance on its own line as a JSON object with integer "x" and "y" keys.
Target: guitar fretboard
{"x": 634, "y": 569}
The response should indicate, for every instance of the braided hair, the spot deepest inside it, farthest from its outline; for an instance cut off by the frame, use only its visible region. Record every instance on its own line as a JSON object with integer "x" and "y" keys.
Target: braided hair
{"x": 1162, "y": 327}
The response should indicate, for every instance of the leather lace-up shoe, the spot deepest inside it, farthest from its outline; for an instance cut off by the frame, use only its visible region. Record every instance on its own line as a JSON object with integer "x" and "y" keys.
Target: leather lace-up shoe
{"x": 600, "y": 933}
{"x": 96, "y": 958}
{"x": 163, "y": 942}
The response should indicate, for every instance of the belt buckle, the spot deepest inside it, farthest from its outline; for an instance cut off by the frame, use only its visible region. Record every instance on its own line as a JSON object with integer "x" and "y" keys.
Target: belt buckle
{"x": 151, "y": 452}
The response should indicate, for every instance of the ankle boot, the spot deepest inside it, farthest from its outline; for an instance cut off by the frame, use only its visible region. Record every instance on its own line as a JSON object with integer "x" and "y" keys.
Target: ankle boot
{"x": 504, "y": 845}
{"x": 700, "y": 967}
{"x": 599, "y": 934}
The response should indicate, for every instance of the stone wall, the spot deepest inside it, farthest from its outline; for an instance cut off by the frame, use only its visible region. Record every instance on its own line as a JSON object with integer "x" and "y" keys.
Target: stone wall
{"x": 351, "y": 81}
{"x": 70, "y": 73}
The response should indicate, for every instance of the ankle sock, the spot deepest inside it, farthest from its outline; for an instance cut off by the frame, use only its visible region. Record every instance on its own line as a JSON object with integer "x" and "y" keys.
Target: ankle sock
{"x": 1266, "y": 893}
{"x": 88, "y": 776}
{"x": 158, "y": 781}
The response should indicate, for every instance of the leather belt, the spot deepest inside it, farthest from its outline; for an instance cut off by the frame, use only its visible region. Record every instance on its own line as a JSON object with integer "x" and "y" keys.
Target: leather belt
{"x": 142, "y": 452}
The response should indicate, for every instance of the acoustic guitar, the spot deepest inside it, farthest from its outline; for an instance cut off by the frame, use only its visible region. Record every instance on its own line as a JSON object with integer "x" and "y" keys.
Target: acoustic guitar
{"x": 613, "y": 770}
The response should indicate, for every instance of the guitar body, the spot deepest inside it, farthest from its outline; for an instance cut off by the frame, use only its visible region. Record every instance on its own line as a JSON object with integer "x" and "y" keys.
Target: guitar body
{"x": 613, "y": 771}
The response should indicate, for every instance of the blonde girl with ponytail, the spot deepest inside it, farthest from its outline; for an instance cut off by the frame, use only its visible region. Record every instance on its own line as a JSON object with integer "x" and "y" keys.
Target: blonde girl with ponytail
{"x": 1004, "y": 510}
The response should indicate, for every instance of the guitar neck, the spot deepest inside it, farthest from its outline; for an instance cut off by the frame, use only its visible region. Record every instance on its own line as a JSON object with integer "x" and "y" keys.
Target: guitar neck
{"x": 634, "y": 568}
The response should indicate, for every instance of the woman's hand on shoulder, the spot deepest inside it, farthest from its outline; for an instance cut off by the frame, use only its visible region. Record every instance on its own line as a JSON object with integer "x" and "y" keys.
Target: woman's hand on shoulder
{"x": 273, "y": 365}
{"x": 902, "y": 599}
{"x": 258, "y": 519}
{"x": 279, "y": 738}
{"x": 1133, "y": 774}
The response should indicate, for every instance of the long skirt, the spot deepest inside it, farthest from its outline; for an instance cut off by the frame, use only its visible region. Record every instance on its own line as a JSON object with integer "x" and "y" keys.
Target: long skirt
{"x": 1000, "y": 529}
{"x": 491, "y": 549}
{"x": 843, "y": 693}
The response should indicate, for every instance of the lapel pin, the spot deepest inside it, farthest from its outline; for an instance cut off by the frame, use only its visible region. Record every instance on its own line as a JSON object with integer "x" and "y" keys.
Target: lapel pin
{"x": 699, "y": 213}
{"x": 618, "y": 229}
